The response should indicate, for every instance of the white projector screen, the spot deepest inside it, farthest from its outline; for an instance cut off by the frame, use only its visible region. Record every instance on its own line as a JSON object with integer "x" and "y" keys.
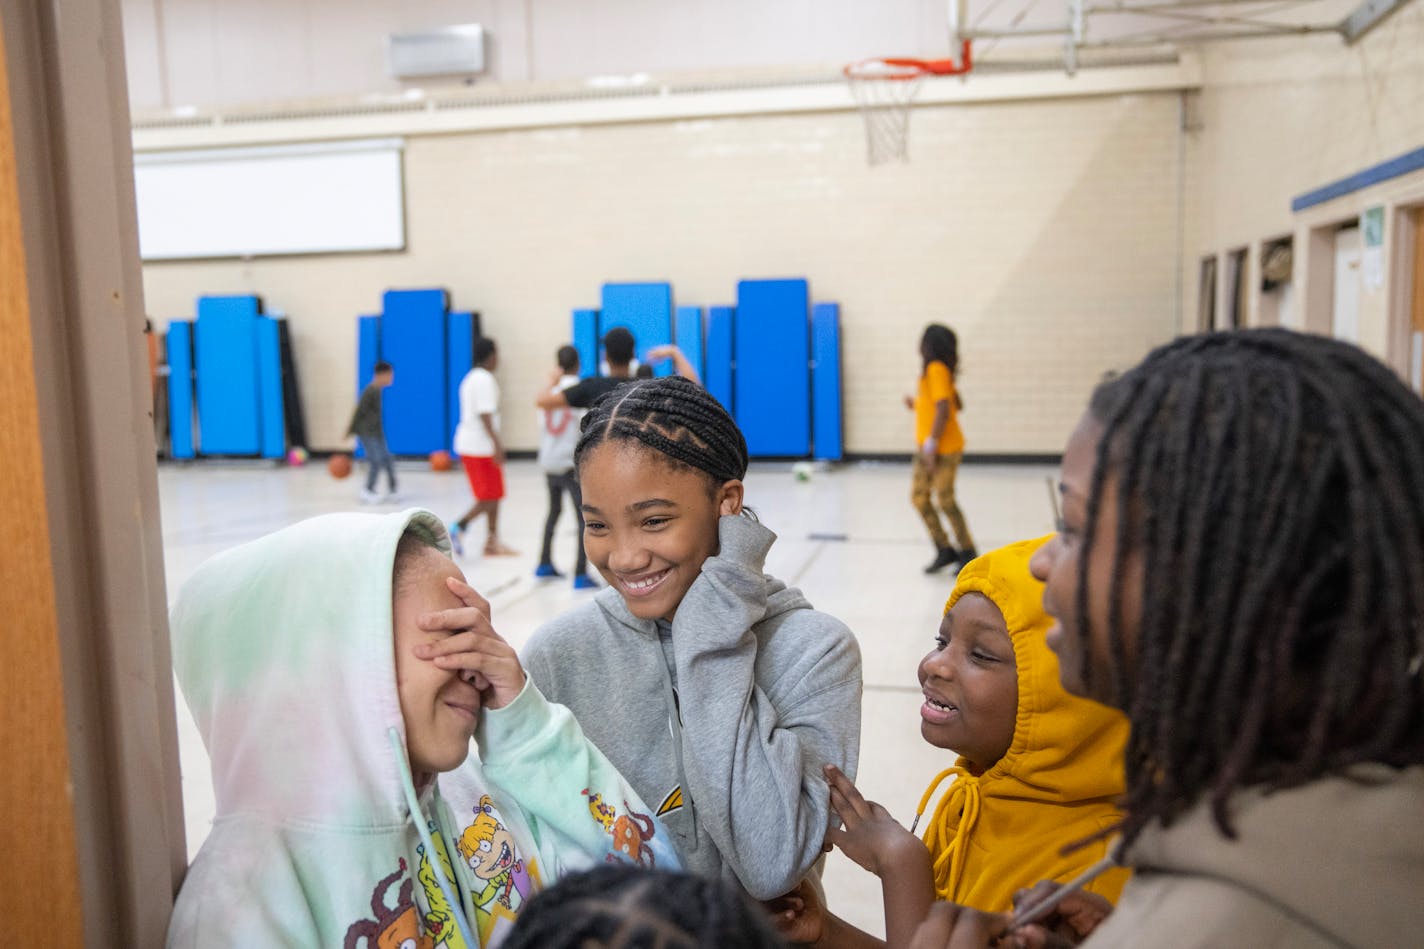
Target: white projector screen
{"x": 251, "y": 202}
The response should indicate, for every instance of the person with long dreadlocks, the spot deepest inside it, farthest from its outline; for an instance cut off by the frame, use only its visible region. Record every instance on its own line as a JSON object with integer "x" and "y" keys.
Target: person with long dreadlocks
{"x": 1241, "y": 570}
{"x": 717, "y": 689}
{"x": 1036, "y": 783}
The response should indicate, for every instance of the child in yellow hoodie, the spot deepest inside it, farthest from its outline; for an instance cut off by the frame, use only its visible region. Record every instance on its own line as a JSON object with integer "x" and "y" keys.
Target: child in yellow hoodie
{"x": 1039, "y": 770}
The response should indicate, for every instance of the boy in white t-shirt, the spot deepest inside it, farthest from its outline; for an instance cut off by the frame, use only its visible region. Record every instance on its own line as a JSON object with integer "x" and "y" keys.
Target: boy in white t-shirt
{"x": 478, "y": 444}
{"x": 558, "y": 435}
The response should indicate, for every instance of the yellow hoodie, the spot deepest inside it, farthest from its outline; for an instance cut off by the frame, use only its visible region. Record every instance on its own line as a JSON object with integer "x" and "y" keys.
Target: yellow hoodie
{"x": 1058, "y": 783}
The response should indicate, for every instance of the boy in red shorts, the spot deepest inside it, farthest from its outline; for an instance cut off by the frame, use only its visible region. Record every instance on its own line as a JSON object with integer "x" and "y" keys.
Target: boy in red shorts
{"x": 478, "y": 444}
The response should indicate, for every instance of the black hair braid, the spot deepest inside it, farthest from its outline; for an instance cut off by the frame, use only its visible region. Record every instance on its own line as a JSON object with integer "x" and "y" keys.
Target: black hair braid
{"x": 1271, "y": 484}
{"x": 674, "y": 417}
{"x": 622, "y": 906}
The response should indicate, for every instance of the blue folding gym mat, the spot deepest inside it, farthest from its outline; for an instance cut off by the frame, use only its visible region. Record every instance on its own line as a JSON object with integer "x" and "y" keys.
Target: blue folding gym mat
{"x": 687, "y": 330}
{"x": 772, "y": 355}
{"x": 180, "y": 388}
{"x": 225, "y": 348}
{"x": 413, "y": 342}
{"x": 717, "y": 367}
{"x": 460, "y": 332}
{"x": 270, "y": 403}
{"x": 368, "y": 349}
{"x": 585, "y": 336}
{"x": 644, "y": 308}
{"x": 826, "y": 427}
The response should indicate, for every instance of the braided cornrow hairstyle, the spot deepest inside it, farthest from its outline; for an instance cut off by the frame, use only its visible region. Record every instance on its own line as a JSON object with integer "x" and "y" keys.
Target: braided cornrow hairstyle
{"x": 674, "y": 417}
{"x": 1273, "y": 485}
{"x": 621, "y": 906}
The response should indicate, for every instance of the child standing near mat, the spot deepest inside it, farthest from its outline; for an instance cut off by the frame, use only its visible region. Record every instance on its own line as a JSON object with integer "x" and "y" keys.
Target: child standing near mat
{"x": 939, "y": 447}
{"x": 481, "y": 451}
{"x": 1039, "y": 770}
{"x": 557, "y": 438}
{"x": 349, "y": 808}
{"x": 367, "y": 425}
{"x": 717, "y": 689}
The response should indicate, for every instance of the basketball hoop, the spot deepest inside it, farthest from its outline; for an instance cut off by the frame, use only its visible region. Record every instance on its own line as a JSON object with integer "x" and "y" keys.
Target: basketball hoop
{"x": 883, "y": 90}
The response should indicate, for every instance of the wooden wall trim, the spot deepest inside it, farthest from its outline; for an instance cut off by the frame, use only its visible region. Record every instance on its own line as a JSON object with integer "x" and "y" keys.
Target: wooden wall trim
{"x": 68, "y": 101}
{"x": 34, "y": 759}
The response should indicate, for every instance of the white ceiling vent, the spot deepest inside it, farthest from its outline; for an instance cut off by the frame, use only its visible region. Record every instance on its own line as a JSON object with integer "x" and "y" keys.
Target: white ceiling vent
{"x": 449, "y": 51}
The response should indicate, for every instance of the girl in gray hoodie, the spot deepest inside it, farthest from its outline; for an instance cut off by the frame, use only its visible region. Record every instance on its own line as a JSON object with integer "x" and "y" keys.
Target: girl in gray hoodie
{"x": 717, "y": 690}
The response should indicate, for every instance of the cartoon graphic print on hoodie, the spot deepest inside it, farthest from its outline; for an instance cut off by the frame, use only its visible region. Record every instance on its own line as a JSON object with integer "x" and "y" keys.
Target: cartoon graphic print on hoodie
{"x": 725, "y": 716}
{"x": 284, "y": 650}
{"x": 1057, "y": 784}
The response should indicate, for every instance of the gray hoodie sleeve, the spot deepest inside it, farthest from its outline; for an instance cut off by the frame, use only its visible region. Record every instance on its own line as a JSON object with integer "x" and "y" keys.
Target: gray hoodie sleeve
{"x": 755, "y": 775}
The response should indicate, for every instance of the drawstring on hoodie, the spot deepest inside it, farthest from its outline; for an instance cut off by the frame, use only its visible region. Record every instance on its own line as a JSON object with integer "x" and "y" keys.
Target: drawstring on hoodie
{"x": 436, "y": 864}
{"x": 963, "y": 800}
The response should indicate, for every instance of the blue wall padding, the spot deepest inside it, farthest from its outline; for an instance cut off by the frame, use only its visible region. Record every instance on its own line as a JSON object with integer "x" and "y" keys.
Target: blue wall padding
{"x": 459, "y": 355}
{"x": 225, "y": 346}
{"x": 413, "y": 341}
{"x": 269, "y": 388}
{"x": 368, "y": 349}
{"x": 826, "y": 431}
{"x": 717, "y": 366}
{"x": 688, "y": 333}
{"x": 585, "y": 337}
{"x": 180, "y": 388}
{"x": 772, "y": 355}
{"x": 645, "y": 308}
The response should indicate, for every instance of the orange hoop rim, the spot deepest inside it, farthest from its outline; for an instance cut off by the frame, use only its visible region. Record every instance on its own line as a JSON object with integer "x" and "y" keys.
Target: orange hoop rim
{"x": 899, "y": 68}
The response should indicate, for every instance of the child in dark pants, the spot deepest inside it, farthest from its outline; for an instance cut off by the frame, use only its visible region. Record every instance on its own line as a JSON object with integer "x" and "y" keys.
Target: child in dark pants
{"x": 366, "y": 425}
{"x": 559, "y": 435}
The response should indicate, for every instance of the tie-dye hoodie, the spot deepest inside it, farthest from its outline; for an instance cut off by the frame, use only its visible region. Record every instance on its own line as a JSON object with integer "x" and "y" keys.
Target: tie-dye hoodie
{"x": 284, "y": 651}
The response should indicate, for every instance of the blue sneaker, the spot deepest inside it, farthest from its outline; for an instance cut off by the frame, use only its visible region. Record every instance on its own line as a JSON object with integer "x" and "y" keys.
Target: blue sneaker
{"x": 457, "y": 539}
{"x": 584, "y": 582}
{"x": 547, "y": 570}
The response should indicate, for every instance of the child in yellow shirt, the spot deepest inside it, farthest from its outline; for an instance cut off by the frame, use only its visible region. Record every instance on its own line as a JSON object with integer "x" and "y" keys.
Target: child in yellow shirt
{"x": 1039, "y": 770}
{"x": 939, "y": 447}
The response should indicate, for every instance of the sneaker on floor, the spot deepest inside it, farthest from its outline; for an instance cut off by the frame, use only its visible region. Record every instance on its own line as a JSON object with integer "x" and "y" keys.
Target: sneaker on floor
{"x": 369, "y": 497}
{"x": 457, "y": 539}
{"x": 494, "y": 548}
{"x": 966, "y": 555}
{"x": 391, "y": 497}
{"x": 583, "y": 581}
{"x": 943, "y": 558}
{"x": 547, "y": 570}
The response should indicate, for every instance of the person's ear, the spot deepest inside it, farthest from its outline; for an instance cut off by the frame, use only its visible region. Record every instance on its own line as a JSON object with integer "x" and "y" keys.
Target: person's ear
{"x": 729, "y": 498}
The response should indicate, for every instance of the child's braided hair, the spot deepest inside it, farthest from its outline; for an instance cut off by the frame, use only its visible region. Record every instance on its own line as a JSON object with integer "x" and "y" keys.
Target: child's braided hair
{"x": 621, "y": 906}
{"x": 674, "y": 417}
{"x": 1273, "y": 484}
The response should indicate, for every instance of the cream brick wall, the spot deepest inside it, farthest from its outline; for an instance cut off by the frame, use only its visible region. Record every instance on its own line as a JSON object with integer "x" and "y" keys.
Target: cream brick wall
{"x": 1044, "y": 232}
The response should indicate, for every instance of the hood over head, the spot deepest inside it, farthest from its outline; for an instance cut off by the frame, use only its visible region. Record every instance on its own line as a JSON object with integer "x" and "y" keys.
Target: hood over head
{"x": 1065, "y": 748}
{"x": 284, "y": 652}
{"x": 1058, "y": 784}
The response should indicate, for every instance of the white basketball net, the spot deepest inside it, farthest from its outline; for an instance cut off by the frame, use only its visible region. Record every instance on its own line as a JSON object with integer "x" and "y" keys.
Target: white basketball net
{"x": 883, "y": 94}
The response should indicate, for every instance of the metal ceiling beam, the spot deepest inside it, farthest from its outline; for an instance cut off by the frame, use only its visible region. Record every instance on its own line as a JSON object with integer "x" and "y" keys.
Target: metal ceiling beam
{"x": 1366, "y": 17}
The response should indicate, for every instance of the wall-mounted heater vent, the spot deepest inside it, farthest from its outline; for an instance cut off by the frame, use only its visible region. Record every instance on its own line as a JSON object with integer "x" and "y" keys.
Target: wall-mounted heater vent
{"x": 449, "y": 51}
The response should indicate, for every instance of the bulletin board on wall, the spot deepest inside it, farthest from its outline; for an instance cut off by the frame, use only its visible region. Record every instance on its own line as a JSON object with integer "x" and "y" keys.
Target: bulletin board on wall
{"x": 316, "y": 198}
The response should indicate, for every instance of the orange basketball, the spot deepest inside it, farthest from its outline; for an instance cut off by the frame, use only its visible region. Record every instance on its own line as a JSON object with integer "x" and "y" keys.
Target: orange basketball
{"x": 339, "y": 465}
{"x": 441, "y": 461}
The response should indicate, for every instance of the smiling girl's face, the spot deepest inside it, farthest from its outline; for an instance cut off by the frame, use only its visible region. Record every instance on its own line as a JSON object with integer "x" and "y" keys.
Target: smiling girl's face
{"x": 649, "y": 524}
{"x": 971, "y": 685}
